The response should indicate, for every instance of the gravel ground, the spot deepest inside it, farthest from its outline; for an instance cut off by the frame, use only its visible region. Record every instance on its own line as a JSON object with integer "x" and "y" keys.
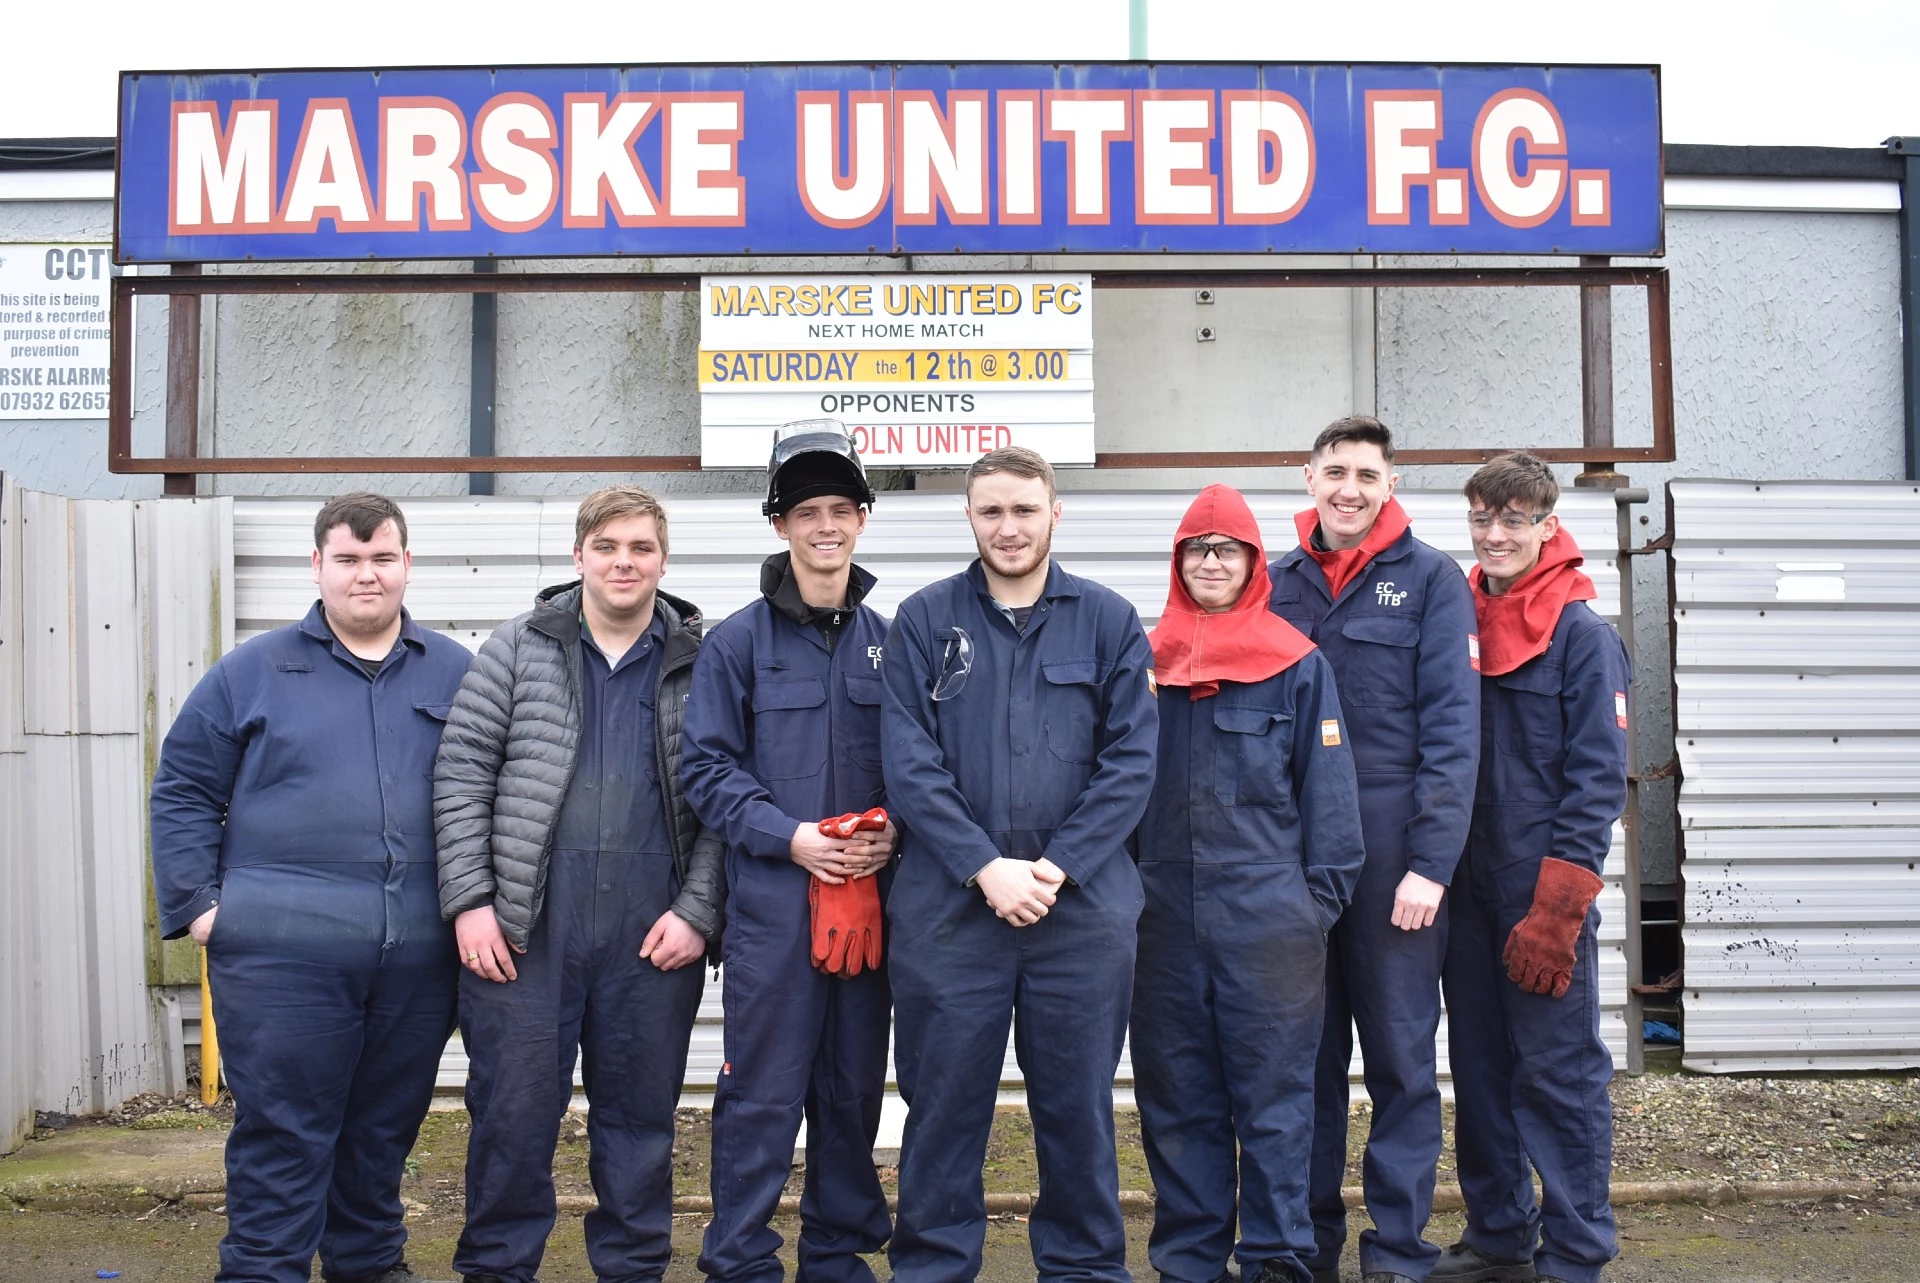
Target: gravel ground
{"x": 1666, "y": 1127}
{"x": 1685, "y": 1127}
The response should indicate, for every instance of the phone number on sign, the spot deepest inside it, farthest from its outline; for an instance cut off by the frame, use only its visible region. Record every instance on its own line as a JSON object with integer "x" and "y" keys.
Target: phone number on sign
{"x": 16, "y": 402}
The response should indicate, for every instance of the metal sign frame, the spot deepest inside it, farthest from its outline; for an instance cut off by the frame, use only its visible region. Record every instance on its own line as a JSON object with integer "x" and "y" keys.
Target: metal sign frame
{"x": 182, "y": 461}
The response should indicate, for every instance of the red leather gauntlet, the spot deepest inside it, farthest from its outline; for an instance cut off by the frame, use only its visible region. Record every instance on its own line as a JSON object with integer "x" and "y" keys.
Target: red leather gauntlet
{"x": 1540, "y": 952}
{"x": 846, "y": 916}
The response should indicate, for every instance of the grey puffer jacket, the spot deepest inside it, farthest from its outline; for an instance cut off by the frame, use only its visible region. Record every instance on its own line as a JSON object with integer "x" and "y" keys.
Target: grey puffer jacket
{"x": 507, "y": 759}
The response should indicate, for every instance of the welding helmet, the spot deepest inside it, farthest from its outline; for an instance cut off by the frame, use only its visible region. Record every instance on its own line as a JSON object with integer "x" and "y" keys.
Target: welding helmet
{"x": 811, "y": 458}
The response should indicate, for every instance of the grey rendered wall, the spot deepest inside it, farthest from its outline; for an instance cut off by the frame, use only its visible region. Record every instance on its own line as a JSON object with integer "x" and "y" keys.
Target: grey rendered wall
{"x": 1786, "y": 344}
{"x": 69, "y": 456}
{"x": 615, "y": 374}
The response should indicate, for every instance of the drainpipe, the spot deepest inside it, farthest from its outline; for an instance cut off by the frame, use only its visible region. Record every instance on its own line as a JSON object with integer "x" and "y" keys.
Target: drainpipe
{"x": 1908, "y": 150}
{"x": 484, "y": 365}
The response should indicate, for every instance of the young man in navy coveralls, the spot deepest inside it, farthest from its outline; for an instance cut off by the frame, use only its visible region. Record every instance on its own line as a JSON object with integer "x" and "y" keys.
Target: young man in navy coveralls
{"x": 783, "y": 730}
{"x": 1530, "y": 1072}
{"x": 1019, "y": 750}
{"x": 293, "y": 838}
{"x": 1394, "y": 618}
{"x": 1248, "y": 853}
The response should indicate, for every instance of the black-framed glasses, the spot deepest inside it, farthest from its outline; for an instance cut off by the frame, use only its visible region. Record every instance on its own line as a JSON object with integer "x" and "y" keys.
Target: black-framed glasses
{"x": 1227, "y": 551}
{"x": 1511, "y": 522}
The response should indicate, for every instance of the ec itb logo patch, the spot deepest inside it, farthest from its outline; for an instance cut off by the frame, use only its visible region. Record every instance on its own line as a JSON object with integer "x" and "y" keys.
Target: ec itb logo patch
{"x": 1386, "y": 595}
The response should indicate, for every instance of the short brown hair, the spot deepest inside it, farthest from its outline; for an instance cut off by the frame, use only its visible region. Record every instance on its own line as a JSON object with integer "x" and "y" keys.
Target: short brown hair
{"x": 1355, "y": 427}
{"x": 1014, "y": 459}
{"x": 1519, "y": 479}
{"x": 609, "y": 504}
{"x": 362, "y": 513}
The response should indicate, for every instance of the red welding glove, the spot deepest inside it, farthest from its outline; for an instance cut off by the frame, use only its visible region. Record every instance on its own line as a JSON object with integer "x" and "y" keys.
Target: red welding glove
{"x": 846, "y": 916}
{"x": 845, "y": 826}
{"x": 1539, "y": 953}
{"x": 846, "y": 925}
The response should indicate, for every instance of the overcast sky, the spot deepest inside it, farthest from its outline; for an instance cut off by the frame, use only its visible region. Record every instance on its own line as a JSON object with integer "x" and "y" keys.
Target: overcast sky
{"x": 1830, "y": 72}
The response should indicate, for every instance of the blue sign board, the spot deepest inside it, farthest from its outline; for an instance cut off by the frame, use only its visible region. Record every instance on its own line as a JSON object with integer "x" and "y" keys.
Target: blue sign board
{"x": 991, "y": 158}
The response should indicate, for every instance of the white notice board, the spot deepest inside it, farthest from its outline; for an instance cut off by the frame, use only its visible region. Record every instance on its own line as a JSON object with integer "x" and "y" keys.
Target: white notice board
{"x": 925, "y": 371}
{"x": 54, "y": 330}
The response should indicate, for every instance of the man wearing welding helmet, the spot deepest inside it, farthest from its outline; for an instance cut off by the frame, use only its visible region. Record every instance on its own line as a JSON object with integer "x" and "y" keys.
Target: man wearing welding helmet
{"x": 782, "y": 740}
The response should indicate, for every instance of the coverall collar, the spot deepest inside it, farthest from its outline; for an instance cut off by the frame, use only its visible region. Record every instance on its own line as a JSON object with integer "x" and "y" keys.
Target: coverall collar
{"x": 1309, "y": 569}
{"x": 1059, "y": 583}
{"x": 315, "y": 625}
{"x": 556, "y": 613}
{"x": 778, "y": 586}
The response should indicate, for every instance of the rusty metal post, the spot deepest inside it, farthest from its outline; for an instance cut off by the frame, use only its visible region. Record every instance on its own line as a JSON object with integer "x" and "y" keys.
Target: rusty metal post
{"x": 1624, "y": 497}
{"x": 1596, "y": 385}
{"x": 183, "y": 383}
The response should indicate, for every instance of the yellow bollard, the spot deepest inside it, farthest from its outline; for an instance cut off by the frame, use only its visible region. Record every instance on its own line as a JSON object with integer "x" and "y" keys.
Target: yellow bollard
{"x": 209, "y": 1041}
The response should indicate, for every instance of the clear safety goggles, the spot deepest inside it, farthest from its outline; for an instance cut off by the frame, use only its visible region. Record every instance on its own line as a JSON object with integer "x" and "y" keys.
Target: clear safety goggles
{"x": 1511, "y": 522}
{"x": 956, "y": 661}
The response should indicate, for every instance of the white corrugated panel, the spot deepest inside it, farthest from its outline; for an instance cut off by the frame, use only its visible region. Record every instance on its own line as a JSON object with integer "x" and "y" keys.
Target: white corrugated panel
{"x": 16, "y": 889}
{"x": 478, "y": 562}
{"x": 1797, "y": 640}
{"x": 81, "y": 839}
{"x": 185, "y": 559}
{"x": 81, "y": 624}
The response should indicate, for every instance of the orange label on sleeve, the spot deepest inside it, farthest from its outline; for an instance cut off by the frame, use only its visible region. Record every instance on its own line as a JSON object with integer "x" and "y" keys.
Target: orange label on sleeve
{"x": 1330, "y": 732}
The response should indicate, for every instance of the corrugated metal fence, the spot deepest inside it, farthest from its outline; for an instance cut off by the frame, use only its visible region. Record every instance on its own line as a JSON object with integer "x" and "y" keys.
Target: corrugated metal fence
{"x": 478, "y": 562}
{"x": 111, "y": 610}
{"x": 86, "y": 612}
{"x": 1797, "y": 682}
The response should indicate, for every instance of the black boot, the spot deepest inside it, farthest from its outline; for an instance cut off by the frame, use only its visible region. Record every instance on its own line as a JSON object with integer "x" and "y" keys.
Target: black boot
{"x": 399, "y": 1272}
{"x": 1465, "y": 1263}
{"x": 1269, "y": 1272}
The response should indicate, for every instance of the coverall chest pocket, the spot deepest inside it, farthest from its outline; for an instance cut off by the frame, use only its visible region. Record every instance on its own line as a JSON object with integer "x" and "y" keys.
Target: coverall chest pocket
{"x": 1254, "y": 747}
{"x": 433, "y": 719}
{"x": 862, "y": 740}
{"x": 1377, "y": 668}
{"x": 1071, "y": 695}
{"x": 1529, "y": 722}
{"x": 789, "y": 727}
{"x": 1292, "y": 609}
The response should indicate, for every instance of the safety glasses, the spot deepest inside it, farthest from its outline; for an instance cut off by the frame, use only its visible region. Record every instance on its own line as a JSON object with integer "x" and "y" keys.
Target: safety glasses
{"x": 956, "y": 661}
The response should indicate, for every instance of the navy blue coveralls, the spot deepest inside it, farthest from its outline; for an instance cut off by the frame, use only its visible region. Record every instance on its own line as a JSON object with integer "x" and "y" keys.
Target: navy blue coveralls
{"x": 782, "y": 730}
{"x": 583, "y": 988}
{"x": 1248, "y": 853}
{"x": 1047, "y": 749}
{"x": 296, "y": 792}
{"x": 1530, "y": 1072}
{"x": 1397, "y": 640}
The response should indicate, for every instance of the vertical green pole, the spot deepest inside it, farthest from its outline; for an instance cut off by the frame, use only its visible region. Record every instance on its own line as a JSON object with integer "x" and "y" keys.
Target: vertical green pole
{"x": 1137, "y": 30}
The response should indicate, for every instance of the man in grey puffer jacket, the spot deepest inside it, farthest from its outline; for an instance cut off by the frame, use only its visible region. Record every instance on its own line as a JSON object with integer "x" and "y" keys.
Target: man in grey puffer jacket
{"x": 583, "y": 894}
